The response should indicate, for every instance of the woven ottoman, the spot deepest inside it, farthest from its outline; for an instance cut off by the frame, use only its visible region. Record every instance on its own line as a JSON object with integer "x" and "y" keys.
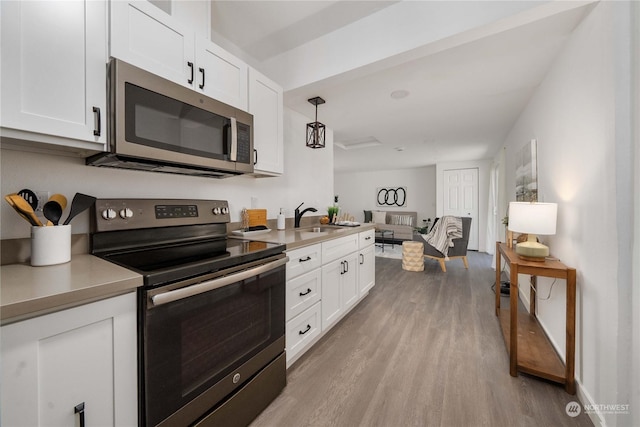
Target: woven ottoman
{"x": 412, "y": 256}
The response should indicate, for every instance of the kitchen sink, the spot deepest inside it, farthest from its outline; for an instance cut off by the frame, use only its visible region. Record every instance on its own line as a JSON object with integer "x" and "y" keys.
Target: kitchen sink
{"x": 324, "y": 229}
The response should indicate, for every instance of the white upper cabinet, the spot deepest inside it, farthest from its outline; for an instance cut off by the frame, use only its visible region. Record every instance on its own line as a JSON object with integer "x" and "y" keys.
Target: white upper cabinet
{"x": 266, "y": 105}
{"x": 221, "y": 75}
{"x": 54, "y": 58}
{"x": 149, "y": 38}
{"x": 145, "y": 36}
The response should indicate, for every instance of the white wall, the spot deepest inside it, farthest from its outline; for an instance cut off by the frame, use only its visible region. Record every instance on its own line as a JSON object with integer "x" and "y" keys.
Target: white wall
{"x": 357, "y": 190}
{"x": 580, "y": 120}
{"x": 635, "y": 299}
{"x": 308, "y": 177}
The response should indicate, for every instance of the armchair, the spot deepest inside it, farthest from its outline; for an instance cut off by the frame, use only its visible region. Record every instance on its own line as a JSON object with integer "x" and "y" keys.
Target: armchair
{"x": 459, "y": 249}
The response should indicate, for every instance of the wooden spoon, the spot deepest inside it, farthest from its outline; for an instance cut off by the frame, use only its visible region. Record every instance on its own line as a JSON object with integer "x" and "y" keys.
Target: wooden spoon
{"x": 10, "y": 201}
{"x": 23, "y": 208}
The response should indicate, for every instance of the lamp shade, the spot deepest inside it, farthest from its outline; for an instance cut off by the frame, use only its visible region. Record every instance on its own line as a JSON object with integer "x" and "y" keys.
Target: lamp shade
{"x": 533, "y": 217}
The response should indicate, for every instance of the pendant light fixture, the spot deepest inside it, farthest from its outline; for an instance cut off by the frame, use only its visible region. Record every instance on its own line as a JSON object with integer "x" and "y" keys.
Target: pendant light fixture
{"x": 315, "y": 130}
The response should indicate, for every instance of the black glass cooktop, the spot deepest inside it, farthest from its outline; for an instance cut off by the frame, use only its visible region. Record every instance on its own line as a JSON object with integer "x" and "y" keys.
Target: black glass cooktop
{"x": 168, "y": 263}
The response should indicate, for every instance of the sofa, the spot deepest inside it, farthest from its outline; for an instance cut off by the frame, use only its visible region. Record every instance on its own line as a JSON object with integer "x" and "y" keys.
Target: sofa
{"x": 402, "y": 223}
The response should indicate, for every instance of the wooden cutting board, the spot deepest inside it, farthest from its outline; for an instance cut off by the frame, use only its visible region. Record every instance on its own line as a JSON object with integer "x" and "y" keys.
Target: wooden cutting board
{"x": 257, "y": 217}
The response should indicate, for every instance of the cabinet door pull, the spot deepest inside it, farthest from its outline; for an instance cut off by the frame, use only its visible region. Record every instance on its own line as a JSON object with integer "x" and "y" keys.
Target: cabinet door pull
{"x": 305, "y": 331}
{"x": 305, "y": 293}
{"x": 308, "y": 258}
{"x": 342, "y": 268}
{"x": 346, "y": 266}
{"x": 201, "y": 86}
{"x": 97, "y": 126}
{"x": 190, "y": 65}
{"x": 79, "y": 409}
{"x": 361, "y": 259}
{"x": 255, "y": 157}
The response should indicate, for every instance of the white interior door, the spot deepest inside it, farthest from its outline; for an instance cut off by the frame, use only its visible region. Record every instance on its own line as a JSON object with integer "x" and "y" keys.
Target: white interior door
{"x": 461, "y": 198}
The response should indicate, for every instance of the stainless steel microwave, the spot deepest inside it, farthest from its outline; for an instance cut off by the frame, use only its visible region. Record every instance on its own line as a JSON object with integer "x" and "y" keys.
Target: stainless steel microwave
{"x": 157, "y": 125}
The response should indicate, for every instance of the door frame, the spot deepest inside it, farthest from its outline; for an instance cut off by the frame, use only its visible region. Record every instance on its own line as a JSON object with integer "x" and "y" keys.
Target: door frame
{"x": 484, "y": 168}
{"x": 474, "y": 234}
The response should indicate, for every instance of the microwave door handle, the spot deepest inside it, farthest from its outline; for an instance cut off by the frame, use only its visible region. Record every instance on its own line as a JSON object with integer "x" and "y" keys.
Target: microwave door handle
{"x": 233, "y": 154}
{"x": 189, "y": 291}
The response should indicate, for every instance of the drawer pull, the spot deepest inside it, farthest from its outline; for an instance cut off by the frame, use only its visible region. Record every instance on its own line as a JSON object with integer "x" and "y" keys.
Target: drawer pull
{"x": 305, "y": 293}
{"x": 305, "y": 331}
{"x": 201, "y": 86}
{"x": 97, "y": 127}
{"x": 308, "y": 258}
{"x": 367, "y": 238}
{"x": 190, "y": 65}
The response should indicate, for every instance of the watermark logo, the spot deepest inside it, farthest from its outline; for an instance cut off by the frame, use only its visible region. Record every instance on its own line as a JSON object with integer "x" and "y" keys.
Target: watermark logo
{"x": 609, "y": 408}
{"x": 573, "y": 409}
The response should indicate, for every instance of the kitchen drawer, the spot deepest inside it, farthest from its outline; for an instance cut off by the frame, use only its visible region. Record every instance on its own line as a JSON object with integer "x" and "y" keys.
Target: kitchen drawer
{"x": 337, "y": 248}
{"x": 366, "y": 238}
{"x": 303, "y": 260}
{"x": 302, "y": 292}
{"x": 302, "y": 330}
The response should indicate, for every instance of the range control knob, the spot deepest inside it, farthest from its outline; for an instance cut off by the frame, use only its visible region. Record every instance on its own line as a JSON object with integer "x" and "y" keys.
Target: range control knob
{"x": 109, "y": 214}
{"x": 225, "y": 210}
{"x": 126, "y": 213}
{"x": 216, "y": 211}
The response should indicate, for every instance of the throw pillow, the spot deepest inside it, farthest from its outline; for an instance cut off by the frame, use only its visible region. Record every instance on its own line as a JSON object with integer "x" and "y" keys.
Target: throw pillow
{"x": 402, "y": 220}
{"x": 379, "y": 217}
{"x": 368, "y": 217}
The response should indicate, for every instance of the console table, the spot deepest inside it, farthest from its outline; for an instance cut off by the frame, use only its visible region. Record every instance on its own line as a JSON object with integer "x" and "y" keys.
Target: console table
{"x": 529, "y": 349}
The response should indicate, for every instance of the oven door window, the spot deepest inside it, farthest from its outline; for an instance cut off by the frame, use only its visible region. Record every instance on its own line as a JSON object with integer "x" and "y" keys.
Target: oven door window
{"x": 155, "y": 120}
{"x": 191, "y": 344}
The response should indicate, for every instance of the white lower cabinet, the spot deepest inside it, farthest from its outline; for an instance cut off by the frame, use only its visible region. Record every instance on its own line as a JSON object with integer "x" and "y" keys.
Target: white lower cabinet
{"x": 339, "y": 288}
{"x": 83, "y": 356}
{"x": 304, "y": 260}
{"x": 366, "y": 263}
{"x": 324, "y": 282}
{"x": 302, "y": 330}
{"x": 303, "y": 292}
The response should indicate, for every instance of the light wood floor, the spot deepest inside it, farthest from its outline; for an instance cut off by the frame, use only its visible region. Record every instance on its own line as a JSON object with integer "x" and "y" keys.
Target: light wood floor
{"x": 423, "y": 349}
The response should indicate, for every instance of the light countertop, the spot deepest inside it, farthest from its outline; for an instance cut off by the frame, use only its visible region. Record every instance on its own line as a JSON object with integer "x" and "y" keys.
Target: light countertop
{"x": 27, "y": 291}
{"x": 299, "y": 237}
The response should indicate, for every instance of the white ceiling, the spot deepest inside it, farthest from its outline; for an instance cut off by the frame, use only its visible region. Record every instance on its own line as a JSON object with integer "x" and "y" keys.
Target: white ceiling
{"x": 462, "y": 101}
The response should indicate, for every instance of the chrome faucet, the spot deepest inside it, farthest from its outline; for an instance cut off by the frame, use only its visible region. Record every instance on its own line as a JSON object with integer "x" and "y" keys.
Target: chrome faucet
{"x": 298, "y": 214}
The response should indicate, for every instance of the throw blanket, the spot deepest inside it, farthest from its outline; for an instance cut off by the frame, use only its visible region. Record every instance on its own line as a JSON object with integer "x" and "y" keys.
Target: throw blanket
{"x": 442, "y": 235}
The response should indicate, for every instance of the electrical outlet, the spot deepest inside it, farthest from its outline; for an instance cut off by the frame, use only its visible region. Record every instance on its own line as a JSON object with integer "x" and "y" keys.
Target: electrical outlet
{"x": 43, "y": 197}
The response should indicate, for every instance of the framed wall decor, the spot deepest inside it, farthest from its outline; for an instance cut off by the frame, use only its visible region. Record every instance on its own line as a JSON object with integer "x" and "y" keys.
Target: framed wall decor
{"x": 527, "y": 173}
{"x": 391, "y": 196}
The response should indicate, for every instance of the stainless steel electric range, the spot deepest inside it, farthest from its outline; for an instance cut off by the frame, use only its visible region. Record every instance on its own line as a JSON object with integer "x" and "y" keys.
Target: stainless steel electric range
{"x": 211, "y": 312}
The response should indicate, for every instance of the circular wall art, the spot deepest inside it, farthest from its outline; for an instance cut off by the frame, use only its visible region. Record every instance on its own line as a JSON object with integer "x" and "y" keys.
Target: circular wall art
{"x": 391, "y": 196}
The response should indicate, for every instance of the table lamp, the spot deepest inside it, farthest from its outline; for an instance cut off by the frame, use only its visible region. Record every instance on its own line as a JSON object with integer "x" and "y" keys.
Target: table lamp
{"x": 532, "y": 218}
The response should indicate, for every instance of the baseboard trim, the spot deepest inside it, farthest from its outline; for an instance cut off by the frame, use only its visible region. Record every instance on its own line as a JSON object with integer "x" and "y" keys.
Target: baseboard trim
{"x": 583, "y": 396}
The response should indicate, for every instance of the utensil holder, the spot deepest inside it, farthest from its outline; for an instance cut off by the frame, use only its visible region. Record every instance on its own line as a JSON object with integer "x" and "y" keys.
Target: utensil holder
{"x": 50, "y": 245}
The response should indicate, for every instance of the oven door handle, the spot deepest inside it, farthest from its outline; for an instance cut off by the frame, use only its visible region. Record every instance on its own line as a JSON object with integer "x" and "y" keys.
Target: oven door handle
{"x": 182, "y": 293}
